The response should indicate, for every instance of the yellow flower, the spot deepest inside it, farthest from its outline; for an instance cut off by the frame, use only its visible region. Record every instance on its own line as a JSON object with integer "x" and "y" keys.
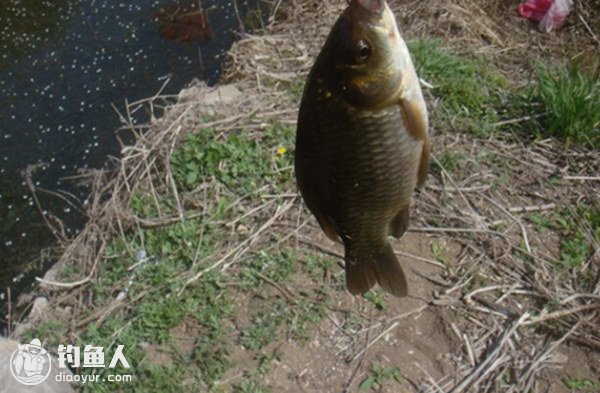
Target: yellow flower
{"x": 281, "y": 150}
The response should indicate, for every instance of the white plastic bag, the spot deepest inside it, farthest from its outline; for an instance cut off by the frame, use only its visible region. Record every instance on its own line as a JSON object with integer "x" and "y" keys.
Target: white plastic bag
{"x": 556, "y": 15}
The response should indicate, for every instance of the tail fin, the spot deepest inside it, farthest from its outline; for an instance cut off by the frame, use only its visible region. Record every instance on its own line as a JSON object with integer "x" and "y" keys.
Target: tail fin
{"x": 383, "y": 268}
{"x": 361, "y": 275}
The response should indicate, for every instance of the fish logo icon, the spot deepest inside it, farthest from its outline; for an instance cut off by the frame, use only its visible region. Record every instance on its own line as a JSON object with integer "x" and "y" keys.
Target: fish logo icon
{"x": 30, "y": 364}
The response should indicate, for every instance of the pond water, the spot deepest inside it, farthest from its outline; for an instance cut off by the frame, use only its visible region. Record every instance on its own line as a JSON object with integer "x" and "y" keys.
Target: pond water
{"x": 64, "y": 64}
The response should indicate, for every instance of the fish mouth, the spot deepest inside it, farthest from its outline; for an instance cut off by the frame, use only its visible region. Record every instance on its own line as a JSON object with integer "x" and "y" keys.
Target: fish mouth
{"x": 374, "y": 6}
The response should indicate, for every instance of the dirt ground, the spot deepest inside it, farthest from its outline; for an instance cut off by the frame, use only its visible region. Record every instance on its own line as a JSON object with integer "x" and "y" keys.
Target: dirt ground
{"x": 410, "y": 333}
{"x": 426, "y": 341}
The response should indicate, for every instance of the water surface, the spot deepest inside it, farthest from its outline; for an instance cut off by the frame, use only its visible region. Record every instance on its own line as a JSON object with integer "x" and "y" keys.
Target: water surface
{"x": 64, "y": 64}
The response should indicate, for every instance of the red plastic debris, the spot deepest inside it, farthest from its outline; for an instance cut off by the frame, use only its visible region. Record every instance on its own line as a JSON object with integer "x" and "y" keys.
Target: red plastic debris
{"x": 534, "y": 9}
{"x": 551, "y": 14}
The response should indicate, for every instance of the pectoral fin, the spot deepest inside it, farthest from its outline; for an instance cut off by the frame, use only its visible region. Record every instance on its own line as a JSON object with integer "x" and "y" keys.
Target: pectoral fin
{"x": 399, "y": 224}
{"x": 326, "y": 226}
{"x": 415, "y": 118}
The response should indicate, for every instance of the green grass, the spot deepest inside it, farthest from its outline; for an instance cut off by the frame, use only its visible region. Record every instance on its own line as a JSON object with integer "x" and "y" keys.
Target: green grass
{"x": 578, "y": 236}
{"x": 253, "y": 377}
{"x": 542, "y": 222}
{"x": 470, "y": 90}
{"x": 581, "y": 229}
{"x": 316, "y": 264}
{"x": 568, "y": 105}
{"x": 274, "y": 266}
{"x": 578, "y": 228}
{"x": 154, "y": 305}
{"x": 279, "y": 318}
{"x": 249, "y": 386}
{"x": 205, "y": 306}
{"x": 52, "y": 331}
{"x": 474, "y": 97}
{"x": 296, "y": 89}
{"x": 265, "y": 326}
{"x": 239, "y": 163}
{"x": 449, "y": 160}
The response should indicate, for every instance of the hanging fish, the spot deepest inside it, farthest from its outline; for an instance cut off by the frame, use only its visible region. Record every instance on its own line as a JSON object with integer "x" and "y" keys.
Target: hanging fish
{"x": 362, "y": 144}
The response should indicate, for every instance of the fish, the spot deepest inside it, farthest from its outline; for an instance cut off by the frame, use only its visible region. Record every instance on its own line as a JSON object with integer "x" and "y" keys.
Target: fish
{"x": 362, "y": 143}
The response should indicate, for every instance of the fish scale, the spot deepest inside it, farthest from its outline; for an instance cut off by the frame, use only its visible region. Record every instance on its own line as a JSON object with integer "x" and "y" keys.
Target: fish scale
{"x": 377, "y": 160}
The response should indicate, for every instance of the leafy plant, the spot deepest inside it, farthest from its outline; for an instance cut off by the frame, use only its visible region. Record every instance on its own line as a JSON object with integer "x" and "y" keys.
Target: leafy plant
{"x": 581, "y": 227}
{"x": 579, "y": 384}
{"x": 276, "y": 267}
{"x": 450, "y": 161}
{"x": 249, "y": 386}
{"x": 542, "y": 222}
{"x": 438, "y": 252}
{"x": 238, "y": 162}
{"x": 379, "y": 375}
{"x": 375, "y": 297}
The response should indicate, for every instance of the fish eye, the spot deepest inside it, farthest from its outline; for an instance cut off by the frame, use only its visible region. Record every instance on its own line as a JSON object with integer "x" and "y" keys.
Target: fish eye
{"x": 362, "y": 51}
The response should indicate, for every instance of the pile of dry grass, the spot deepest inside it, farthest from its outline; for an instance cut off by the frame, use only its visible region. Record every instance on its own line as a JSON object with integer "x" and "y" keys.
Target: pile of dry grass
{"x": 493, "y": 29}
{"x": 513, "y": 269}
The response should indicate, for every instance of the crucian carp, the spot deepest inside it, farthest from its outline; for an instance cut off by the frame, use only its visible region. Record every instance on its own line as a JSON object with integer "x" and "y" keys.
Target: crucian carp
{"x": 362, "y": 144}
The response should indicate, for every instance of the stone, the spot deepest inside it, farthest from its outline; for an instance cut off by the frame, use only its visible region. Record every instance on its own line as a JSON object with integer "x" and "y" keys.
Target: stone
{"x": 207, "y": 96}
{"x": 221, "y": 95}
{"x": 39, "y": 311}
{"x": 242, "y": 229}
{"x": 192, "y": 91}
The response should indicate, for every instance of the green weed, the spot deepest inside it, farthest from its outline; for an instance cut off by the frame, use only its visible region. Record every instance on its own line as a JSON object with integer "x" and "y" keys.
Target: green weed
{"x": 451, "y": 161}
{"x": 297, "y": 89}
{"x": 279, "y": 318}
{"x": 379, "y": 375}
{"x": 579, "y": 384}
{"x": 316, "y": 264}
{"x": 568, "y": 104}
{"x": 239, "y": 163}
{"x": 265, "y": 326}
{"x": 52, "y": 332}
{"x": 249, "y": 386}
{"x": 543, "y": 223}
{"x": 581, "y": 230}
{"x": 375, "y": 297}
{"x": 275, "y": 267}
{"x": 438, "y": 252}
